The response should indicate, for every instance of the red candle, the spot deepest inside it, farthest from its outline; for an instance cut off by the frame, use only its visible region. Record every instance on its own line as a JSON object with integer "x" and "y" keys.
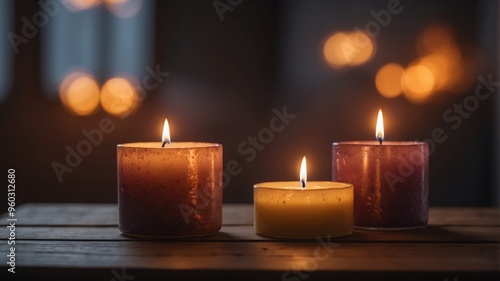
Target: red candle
{"x": 390, "y": 181}
{"x": 169, "y": 189}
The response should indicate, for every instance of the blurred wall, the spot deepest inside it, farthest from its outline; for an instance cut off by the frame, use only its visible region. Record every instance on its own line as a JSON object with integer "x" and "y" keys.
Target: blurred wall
{"x": 229, "y": 76}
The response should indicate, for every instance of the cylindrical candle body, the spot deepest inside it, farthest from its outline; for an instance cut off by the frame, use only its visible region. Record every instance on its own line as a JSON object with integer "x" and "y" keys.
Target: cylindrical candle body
{"x": 171, "y": 191}
{"x": 284, "y": 209}
{"x": 391, "y": 188}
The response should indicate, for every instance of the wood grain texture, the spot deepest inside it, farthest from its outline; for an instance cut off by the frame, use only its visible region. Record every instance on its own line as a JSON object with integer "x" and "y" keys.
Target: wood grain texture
{"x": 103, "y": 214}
{"x": 464, "y": 216}
{"x": 241, "y": 233}
{"x": 258, "y": 256}
{"x": 82, "y": 242}
{"x": 233, "y": 214}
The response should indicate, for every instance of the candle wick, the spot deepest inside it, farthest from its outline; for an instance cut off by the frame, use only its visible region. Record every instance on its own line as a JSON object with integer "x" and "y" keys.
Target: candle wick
{"x": 165, "y": 142}
{"x": 303, "y": 183}
{"x": 380, "y": 140}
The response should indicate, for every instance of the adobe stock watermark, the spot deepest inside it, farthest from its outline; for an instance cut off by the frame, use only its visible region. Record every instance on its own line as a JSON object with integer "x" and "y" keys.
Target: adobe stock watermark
{"x": 407, "y": 166}
{"x": 74, "y": 156}
{"x": 249, "y": 148}
{"x": 454, "y": 117}
{"x": 11, "y": 220}
{"x": 222, "y": 7}
{"x": 121, "y": 276}
{"x": 381, "y": 19}
{"x": 322, "y": 252}
{"x": 94, "y": 137}
{"x": 31, "y": 26}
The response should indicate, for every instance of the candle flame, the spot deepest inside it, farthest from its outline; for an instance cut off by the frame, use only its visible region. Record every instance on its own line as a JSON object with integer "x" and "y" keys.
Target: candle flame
{"x": 379, "y": 131}
{"x": 166, "y": 133}
{"x": 303, "y": 172}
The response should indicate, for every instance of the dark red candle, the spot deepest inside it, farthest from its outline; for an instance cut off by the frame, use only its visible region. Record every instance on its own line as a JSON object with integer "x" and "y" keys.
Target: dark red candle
{"x": 390, "y": 179}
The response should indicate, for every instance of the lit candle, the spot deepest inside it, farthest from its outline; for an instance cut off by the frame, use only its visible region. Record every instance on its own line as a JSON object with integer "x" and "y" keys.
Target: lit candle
{"x": 169, "y": 188}
{"x": 390, "y": 179}
{"x": 301, "y": 209}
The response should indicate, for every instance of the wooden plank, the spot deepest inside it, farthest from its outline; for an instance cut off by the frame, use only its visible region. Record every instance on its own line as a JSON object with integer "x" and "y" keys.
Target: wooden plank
{"x": 80, "y": 274}
{"x": 258, "y": 256}
{"x": 233, "y": 214}
{"x": 62, "y": 240}
{"x": 431, "y": 234}
{"x": 237, "y": 214}
{"x": 66, "y": 214}
{"x": 103, "y": 214}
{"x": 464, "y": 216}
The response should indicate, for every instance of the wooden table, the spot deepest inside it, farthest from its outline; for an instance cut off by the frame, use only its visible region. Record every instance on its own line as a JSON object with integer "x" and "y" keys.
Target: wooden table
{"x": 82, "y": 242}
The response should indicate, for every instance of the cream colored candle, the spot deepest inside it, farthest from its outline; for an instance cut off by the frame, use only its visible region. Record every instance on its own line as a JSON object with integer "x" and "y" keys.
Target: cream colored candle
{"x": 287, "y": 209}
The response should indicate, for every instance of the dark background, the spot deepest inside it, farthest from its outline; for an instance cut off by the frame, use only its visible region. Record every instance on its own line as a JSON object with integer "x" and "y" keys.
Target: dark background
{"x": 227, "y": 76}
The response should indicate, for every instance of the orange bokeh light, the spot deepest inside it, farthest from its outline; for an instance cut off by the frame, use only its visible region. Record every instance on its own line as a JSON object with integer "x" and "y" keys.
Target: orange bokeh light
{"x": 363, "y": 48}
{"x": 79, "y": 93}
{"x": 434, "y": 38}
{"x": 348, "y": 49}
{"x": 418, "y": 83}
{"x": 388, "y": 80}
{"x": 124, "y": 8}
{"x": 119, "y": 97}
{"x": 441, "y": 68}
{"x": 80, "y": 5}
